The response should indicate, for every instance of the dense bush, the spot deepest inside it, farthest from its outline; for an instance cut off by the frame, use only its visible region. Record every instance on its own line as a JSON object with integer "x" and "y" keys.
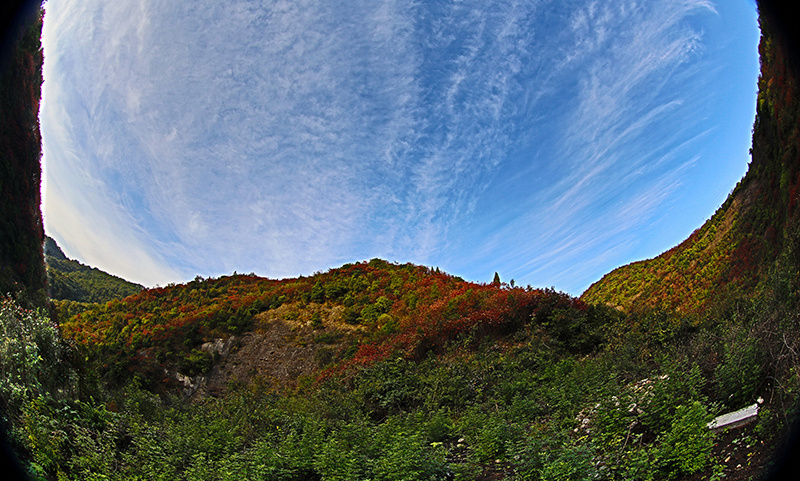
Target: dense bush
{"x": 686, "y": 447}
{"x": 32, "y": 356}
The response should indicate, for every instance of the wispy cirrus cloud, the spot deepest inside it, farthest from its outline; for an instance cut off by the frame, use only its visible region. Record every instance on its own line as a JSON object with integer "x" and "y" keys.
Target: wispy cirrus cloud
{"x": 288, "y": 137}
{"x": 613, "y": 165}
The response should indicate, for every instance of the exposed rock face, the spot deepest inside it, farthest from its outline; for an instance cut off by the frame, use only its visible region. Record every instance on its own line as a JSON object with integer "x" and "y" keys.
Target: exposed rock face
{"x": 284, "y": 346}
{"x": 221, "y": 347}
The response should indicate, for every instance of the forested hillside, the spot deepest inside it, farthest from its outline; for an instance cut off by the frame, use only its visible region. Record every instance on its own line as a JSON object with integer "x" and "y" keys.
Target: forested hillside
{"x": 754, "y": 232}
{"x": 362, "y": 314}
{"x": 69, "y": 280}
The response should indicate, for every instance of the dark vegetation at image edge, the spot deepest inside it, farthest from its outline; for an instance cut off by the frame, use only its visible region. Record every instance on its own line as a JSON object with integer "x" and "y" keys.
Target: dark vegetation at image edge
{"x": 411, "y": 373}
{"x": 21, "y": 232}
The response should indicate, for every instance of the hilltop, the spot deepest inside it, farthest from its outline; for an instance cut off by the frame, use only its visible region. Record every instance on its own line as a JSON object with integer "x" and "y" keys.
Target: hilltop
{"x": 355, "y": 315}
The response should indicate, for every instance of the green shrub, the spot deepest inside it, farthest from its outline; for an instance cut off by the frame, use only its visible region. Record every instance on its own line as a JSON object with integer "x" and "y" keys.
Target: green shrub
{"x": 316, "y": 320}
{"x": 289, "y": 459}
{"x": 572, "y": 463}
{"x": 324, "y": 356}
{"x": 390, "y": 387}
{"x": 527, "y": 455}
{"x": 406, "y": 457}
{"x": 32, "y": 356}
{"x": 195, "y": 362}
{"x": 438, "y": 427}
{"x": 678, "y": 386}
{"x": 44, "y": 437}
{"x": 451, "y": 386}
{"x": 489, "y": 435}
{"x": 686, "y": 447}
{"x": 577, "y": 331}
{"x": 740, "y": 373}
{"x": 347, "y": 455}
{"x": 611, "y": 421}
{"x": 331, "y": 337}
{"x": 352, "y": 315}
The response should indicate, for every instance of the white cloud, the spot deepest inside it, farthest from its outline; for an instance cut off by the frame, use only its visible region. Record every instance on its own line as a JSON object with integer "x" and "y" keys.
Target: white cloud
{"x": 622, "y": 61}
{"x": 287, "y": 137}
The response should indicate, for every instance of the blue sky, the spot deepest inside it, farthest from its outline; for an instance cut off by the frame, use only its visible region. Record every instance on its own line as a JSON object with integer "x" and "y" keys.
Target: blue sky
{"x": 550, "y": 141}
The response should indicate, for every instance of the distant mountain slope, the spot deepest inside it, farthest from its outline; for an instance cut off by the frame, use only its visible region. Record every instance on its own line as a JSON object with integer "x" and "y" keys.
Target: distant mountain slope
{"x": 756, "y": 226}
{"x": 69, "y": 280}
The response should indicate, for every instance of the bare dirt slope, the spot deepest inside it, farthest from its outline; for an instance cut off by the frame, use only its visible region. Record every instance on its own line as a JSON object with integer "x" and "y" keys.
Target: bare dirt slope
{"x": 286, "y": 344}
